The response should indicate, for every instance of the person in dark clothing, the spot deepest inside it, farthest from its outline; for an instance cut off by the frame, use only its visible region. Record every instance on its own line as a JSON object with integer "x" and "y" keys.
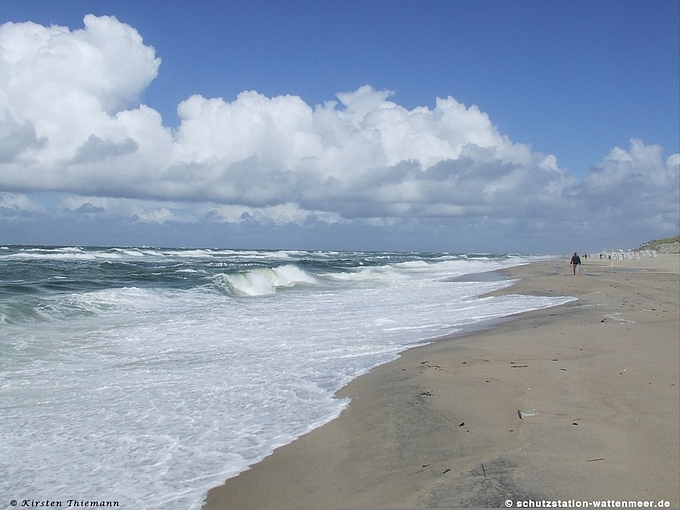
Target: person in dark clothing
{"x": 575, "y": 261}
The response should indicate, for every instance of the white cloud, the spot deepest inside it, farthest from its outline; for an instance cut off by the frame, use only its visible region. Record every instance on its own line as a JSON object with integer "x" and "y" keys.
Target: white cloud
{"x": 637, "y": 186}
{"x": 66, "y": 85}
{"x": 12, "y": 204}
{"x": 277, "y": 215}
{"x": 70, "y": 122}
{"x": 157, "y": 211}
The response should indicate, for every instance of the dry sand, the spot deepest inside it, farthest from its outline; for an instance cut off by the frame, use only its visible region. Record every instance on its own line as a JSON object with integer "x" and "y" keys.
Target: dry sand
{"x": 596, "y": 383}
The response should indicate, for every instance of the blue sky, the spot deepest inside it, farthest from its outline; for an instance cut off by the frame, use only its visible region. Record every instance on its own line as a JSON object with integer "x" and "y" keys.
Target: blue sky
{"x": 560, "y": 132}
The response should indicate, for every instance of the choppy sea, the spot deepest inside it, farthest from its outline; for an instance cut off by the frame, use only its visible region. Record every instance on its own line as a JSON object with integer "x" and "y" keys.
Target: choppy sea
{"x": 147, "y": 376}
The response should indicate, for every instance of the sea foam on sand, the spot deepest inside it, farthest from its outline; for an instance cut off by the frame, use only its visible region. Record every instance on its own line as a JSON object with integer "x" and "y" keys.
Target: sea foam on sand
{"x": 575, "y": 403}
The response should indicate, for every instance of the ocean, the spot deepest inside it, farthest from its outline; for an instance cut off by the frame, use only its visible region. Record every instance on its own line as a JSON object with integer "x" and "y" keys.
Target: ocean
{"x": 147, "y": 376}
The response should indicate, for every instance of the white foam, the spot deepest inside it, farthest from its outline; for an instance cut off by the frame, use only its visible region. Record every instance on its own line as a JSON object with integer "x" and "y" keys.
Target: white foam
{"x": 150, "y": 396}
{"x": 263, "y": 281}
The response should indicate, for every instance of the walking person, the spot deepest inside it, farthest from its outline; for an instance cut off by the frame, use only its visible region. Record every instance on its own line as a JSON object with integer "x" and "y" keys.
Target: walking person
{"x": 575, "y": 261}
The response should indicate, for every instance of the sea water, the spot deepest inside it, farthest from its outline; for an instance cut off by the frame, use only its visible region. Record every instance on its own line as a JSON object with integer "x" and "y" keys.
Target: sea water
{"x": 146, "y": 376}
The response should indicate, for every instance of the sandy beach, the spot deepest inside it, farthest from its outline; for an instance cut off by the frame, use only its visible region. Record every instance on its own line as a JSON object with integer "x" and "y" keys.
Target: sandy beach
{"x": 577, "y": 402}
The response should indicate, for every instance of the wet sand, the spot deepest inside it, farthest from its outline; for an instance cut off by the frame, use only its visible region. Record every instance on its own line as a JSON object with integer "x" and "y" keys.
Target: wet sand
{"x": 577, "y": 402}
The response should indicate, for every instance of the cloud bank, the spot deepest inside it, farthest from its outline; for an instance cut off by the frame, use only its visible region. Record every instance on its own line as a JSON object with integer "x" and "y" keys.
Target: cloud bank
{"x": 71, "y": 122}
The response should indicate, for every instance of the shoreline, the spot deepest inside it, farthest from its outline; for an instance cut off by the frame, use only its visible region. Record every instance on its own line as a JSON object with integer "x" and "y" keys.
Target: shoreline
{"x": 574, "y": 402}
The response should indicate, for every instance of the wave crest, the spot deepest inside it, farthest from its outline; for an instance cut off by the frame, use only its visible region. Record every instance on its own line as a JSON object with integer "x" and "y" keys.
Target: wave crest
{"x": 263, "y": 281}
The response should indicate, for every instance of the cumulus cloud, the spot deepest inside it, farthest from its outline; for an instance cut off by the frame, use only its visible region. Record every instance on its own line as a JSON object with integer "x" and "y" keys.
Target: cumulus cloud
{"x": 637, "y": 186}
{"x": 67, "y": 85}
{"x": 96, "y": 149}
{"x": 16, "y": 138}
{"x": 16, "y": 204}
{"x": 70, "y": 122}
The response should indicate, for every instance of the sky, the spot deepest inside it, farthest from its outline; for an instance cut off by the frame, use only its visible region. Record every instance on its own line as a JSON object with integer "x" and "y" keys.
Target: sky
{"x": 461, "y": 126}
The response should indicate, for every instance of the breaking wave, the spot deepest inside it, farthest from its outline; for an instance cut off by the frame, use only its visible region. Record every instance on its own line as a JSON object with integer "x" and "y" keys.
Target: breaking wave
{"x": 263, "y": 281}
